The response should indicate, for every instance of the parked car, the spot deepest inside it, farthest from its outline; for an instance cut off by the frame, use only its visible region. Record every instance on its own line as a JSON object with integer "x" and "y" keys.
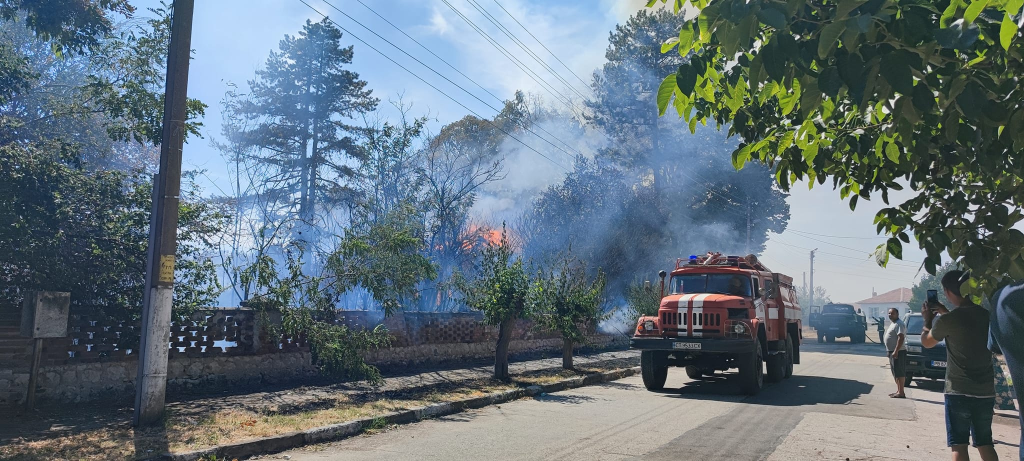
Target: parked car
{"x": 922, "y": 362}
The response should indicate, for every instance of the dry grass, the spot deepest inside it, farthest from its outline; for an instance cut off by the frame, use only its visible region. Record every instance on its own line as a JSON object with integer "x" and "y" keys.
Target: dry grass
{"x": 202, "y": 429}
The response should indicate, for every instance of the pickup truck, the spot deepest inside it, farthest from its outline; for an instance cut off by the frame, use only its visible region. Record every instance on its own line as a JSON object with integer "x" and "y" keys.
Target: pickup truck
{"x": 838, "y": 321}
{"x": 922, "y": 362}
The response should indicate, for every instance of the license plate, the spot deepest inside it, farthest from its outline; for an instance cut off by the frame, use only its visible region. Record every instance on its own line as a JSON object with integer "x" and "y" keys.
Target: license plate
{"x": 688, "y": 346}
{"x": 936, "y": 363}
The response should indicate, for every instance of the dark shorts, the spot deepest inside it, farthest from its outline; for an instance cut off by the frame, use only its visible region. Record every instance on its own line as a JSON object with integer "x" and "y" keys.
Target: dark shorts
{"x": 967, "y": 417}
{"x": 898, "y": 363}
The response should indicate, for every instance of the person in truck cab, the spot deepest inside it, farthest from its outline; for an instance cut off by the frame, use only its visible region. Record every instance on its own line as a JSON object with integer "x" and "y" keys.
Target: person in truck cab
{"x": 736, "y": 286}
{"x": 970, "y": 381}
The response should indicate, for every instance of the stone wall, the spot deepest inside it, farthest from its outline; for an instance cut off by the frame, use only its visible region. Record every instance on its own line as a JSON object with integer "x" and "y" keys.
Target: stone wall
{"x": 115, "y": 380}
{"x": 224, "y": 348}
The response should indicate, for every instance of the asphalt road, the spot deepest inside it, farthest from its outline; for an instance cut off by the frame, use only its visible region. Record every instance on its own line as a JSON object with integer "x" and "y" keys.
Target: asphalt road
{"x": 844, "y": 384}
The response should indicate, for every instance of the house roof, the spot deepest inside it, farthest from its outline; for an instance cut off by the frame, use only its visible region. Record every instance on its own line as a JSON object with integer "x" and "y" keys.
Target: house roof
{"x": 899, "y": 295}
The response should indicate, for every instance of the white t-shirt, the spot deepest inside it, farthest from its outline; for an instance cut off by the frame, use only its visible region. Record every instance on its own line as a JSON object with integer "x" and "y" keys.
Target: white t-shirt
{"x": 892, "y": 334}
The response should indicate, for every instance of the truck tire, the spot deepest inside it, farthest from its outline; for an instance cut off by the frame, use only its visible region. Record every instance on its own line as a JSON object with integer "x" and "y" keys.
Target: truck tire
{"x": 858, "y": 338}
{"x": 776, "y": 365}
{"x": 821, "y": 337}
{"x": 654, "y": 377}
{"x": 751, "y": 373}
{"x": 694, "y": 372}
{"x": 830, "y": 338}
{"x": 789, "y": 358}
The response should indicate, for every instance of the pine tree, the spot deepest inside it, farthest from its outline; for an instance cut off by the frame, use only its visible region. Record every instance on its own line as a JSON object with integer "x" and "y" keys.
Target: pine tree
{"x": 295, "y": 124}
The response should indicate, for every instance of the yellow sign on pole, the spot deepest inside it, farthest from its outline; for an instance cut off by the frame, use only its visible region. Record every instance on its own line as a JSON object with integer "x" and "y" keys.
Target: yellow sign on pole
{"x": 167, "y": 269}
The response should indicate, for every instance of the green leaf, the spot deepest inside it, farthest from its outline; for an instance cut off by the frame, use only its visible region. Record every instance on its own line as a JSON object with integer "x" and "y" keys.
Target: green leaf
{"x": 788, "y": 99}
{"x": 829, "y": 36}
{"x": 686, "y": 78}
{"x": 896, "y": 70}
{"x": 895, "y": 247}
{"x": 892, "y": 152}
{"x": 685, "y": 40}
{"x": 810, "y": 152}
{"x": 772, "y": 17}
{"x": 741, "y": 156}
{"x": 651, "y": 3}
{"x": 1007, "y": 31}
{"x": 665, "y": 91}
{"x": 846, "y": 6}
{"x": 669, "y": 44}
{"x": 1012, "y": 7}
{"x": 949, "y": 12}
{"x": 853, "y": 202}
{"x": 974, "y": 10}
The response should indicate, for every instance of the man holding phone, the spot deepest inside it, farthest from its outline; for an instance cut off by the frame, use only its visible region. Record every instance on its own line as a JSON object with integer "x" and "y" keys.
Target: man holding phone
{"x": 970, "y": 382}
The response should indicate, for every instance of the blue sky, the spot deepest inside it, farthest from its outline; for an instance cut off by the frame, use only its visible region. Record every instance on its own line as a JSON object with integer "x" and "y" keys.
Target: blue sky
{"x": 232, "y": 39}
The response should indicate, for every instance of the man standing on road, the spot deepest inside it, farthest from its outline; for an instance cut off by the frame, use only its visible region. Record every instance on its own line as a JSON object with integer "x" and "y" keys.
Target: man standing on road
{"x": 895, "y": 341}
{"x": 970, "y": 382}
{"x": 1007, "y": 318}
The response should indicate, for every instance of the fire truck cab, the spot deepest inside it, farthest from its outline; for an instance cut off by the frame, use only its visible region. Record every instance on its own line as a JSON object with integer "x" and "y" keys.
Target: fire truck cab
{"x": 719, "y": 313}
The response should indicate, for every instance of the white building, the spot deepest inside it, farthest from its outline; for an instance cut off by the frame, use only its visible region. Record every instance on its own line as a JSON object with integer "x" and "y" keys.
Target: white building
{"x": 878, "y": 305}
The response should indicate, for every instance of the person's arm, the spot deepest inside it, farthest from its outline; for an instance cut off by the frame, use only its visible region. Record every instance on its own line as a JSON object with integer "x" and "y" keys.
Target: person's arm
{"x": 930, "y": 337}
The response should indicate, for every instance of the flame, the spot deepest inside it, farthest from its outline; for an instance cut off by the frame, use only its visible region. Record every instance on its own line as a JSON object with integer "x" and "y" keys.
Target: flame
{"x": 480, "y": 235}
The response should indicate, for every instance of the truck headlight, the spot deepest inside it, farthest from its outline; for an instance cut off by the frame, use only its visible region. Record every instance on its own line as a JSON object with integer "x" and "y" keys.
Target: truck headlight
{"x": 739, "y": 328}
{"x": 649, "y": 325}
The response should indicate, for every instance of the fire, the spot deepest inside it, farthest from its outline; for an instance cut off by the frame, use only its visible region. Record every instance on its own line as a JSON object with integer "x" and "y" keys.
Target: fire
{"x": 477, "y": 236}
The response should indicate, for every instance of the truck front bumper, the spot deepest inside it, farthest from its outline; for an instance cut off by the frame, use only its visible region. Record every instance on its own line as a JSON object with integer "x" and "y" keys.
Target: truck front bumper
{"x": 693, "y": 345}
{"x": 922, "y": 366}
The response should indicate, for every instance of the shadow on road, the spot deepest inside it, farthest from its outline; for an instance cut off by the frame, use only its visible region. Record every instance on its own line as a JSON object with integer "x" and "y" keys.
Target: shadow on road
{"x": 565, "y": 399}
{"x": 796, "y": 391}
{"x": 839, "y": 347}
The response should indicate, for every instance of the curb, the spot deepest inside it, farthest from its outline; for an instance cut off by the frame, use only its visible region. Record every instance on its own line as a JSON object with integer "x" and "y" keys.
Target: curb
{"x": 340, "y": 431}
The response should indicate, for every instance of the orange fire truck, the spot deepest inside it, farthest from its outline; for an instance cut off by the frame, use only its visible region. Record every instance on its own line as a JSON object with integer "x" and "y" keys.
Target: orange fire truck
{"x": 719, "y": 313}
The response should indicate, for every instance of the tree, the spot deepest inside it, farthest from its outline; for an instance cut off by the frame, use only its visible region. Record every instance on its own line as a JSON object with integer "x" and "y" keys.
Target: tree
{"x": 803, "y": 296}
{"x": 500, "y": 290}
{"x": 874, "y": 95}
{"x": 565, "y": 300}
{"x": 65, "y": 228}
{"x": 295, "y": 122}
{"x": 72, "y": 25}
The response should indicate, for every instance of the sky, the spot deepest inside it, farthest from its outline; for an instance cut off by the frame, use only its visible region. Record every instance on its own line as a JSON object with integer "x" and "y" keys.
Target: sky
{"x": 231, "y": 39}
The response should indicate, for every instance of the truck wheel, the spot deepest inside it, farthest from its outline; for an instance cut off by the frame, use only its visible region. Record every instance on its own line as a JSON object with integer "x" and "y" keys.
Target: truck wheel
{"x": 654, "y": 377}
{"x": 908, "y": 379}
{"x": 776, "y": 365}
{"x": 830, "y": 338}
{"x": 752, "y": 370}
{"x": 821, "y": 337}
{"x": 857, "y": 338}
{"x": 694, "y": 372}
{"x": 789, "y": 358}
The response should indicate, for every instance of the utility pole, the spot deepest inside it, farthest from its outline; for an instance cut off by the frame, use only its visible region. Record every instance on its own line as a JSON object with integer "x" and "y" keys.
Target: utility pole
{"x": 151, "y": 384}
{"x": 748, "y": 227}
{"x": 811, "y": 291}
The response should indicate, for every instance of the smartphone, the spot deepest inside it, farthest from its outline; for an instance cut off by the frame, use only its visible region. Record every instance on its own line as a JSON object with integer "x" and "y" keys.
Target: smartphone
{"x": 933, "y": 296}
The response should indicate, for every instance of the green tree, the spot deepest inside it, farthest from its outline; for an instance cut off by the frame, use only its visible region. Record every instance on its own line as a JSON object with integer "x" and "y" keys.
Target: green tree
{"x": 66, "y": 228}
{"x": 874, "y": 95}
{"x": 566, "y": 300}
{"x": 296, "y": 123}
{"x": 72, "y": 25}
{"x": 500, "y": 290}
{"x": 919, "y": 292}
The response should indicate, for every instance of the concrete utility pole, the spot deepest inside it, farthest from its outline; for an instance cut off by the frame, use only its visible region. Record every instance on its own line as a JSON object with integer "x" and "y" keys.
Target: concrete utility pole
{"x": 812, "y": 278}
{"x": 151, "y": 385}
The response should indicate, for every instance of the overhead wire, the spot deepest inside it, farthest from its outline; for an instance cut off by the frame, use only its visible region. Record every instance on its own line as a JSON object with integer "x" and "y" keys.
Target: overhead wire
{"x": 526, "y": 69}
{"x": 439, "y": 58}
{"x": 542, "y": 45}
{"x": 456, "y": 101}
{"x": 529, "y": 52}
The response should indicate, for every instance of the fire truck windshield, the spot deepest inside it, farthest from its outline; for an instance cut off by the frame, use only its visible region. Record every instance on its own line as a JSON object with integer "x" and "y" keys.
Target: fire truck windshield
{"x": 728, "y": 284}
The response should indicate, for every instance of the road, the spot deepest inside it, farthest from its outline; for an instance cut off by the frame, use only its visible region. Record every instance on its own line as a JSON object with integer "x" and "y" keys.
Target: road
{"x": 835, "y": 407}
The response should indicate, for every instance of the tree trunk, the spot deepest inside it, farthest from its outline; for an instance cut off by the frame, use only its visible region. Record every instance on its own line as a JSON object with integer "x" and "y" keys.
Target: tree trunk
{"x": 501, "y": 351}
{"x": 567, "y": 353}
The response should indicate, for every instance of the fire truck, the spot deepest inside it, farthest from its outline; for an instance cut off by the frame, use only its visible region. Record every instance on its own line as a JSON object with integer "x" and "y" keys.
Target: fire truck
{"x": 721, "y": 313}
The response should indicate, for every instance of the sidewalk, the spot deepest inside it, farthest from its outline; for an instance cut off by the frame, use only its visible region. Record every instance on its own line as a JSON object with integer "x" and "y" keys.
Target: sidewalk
{"x": 98, "y": 431}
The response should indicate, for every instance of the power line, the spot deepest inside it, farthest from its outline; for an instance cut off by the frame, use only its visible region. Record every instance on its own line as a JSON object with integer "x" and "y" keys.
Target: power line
{"x": 501, "y": 27}
{"x": 836, "y": 236}
{"x": 339, "y": 26}
{"x": 428, "y": 50}
{"x": 542, "y": 45}
{"x": 895, "y": 263}
{"x": 526, "y": 69}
